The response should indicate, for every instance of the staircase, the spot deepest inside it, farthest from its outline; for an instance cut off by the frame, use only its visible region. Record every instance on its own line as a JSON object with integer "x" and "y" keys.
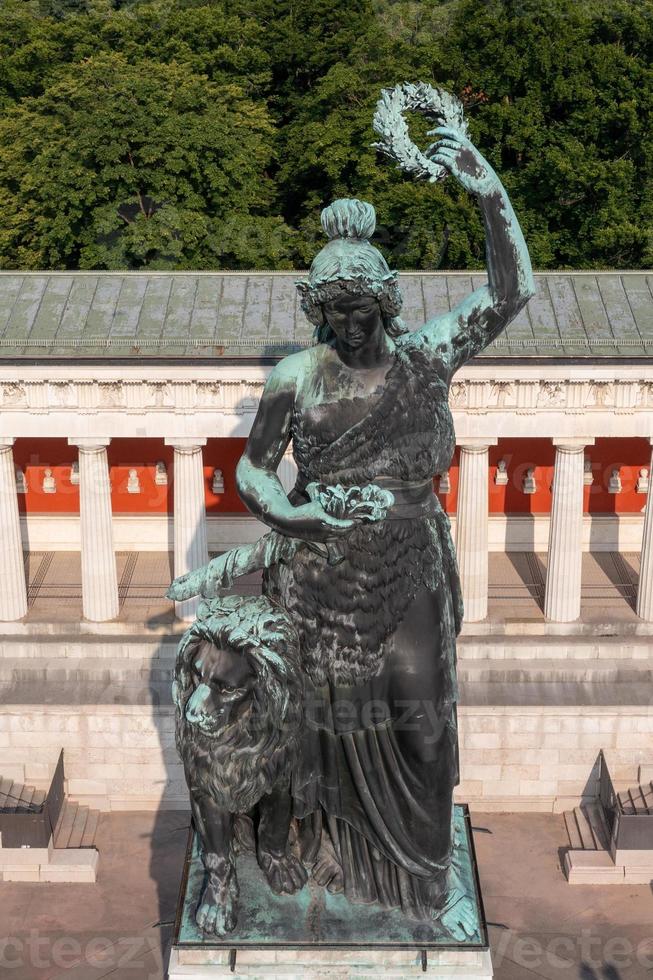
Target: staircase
{"x": 16, "y": 798}
{"x": 588, "y": 860}
{"x": 30, "y": 851}
{"x": 76, "y": 827}
{"x": 639, "y": 799}
{"x": 587, "y": 828}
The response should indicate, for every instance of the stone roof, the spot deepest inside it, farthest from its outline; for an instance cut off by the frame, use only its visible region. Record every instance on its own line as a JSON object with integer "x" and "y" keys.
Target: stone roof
{"x": 106, "y": 315}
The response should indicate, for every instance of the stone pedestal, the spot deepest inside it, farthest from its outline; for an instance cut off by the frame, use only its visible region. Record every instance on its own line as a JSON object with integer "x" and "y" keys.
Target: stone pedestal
{"x": 645, "y": 588}
{"x": 190, "y": 541}
{"x": 472, "y": 526}
{"x": 563, "y": 579}
{"x": 99, "y": 574}
{"x": 13, "y": 590}
{"x": 330, "y": 964}
{"x": 314, "y": 935}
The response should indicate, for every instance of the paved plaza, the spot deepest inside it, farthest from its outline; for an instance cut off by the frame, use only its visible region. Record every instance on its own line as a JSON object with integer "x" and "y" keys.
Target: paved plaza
{"x": 516, "y": 586}
{"x": 120, "y": 928}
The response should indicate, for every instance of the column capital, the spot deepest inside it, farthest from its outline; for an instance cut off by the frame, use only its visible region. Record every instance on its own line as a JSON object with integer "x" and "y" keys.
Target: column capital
{"x": 476, "y": 444}
{"x": 187, "y": 444}
{"x": 6, "y": 442}
{"x": 89, "y": 443}
{"x": 572, "y": 444}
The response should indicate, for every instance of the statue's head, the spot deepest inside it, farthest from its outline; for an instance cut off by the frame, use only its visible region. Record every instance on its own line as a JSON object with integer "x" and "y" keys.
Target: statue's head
{"x": 350, "y": 272}
{"x": 238, "y": 695}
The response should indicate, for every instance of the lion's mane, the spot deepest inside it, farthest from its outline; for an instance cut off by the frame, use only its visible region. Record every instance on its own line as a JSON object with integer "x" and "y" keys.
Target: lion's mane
{"x": 242, "y": 762}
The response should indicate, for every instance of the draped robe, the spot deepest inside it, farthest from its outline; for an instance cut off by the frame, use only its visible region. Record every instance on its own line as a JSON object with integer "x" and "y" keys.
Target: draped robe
{"x": 379, "y": 756}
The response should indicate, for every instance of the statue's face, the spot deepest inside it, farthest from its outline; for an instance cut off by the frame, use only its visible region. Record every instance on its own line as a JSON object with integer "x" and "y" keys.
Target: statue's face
{"x": 223, "y": 680}
{"x": 354, "y": 319}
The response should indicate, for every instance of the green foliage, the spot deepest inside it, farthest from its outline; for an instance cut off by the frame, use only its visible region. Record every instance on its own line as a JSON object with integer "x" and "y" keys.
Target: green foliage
{"x": 210, "y": 133}
{"x": 127, "y": 165}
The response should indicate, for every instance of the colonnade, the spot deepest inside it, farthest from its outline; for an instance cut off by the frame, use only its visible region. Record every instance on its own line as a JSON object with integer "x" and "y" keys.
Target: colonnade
{"x": 99, "y": 577}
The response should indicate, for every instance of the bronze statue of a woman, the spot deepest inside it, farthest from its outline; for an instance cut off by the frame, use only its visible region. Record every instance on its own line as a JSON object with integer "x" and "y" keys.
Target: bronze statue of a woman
{"x": 374, "y": 594}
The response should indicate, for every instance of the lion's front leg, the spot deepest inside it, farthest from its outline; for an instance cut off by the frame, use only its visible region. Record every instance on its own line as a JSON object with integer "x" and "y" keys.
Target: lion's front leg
{"x": 283, "y": 870}
{"x": 217, "y": 911}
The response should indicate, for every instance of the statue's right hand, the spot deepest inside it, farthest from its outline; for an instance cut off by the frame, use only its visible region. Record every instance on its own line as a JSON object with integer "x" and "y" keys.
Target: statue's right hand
{"x": 311, "y": 522}
{"x": 206, "y": 581}
{"x": 188, "y": 586}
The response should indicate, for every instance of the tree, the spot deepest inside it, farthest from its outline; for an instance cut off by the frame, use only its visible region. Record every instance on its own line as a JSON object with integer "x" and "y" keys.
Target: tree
{"x": 276, "y": 97}
{"x": 124, "y": 166}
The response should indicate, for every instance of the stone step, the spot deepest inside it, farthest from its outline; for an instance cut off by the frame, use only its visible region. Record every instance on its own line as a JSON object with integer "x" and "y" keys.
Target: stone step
{"x": 596, "y": 818}
{"x": 15, "y": 797}
{"x": 559, "y": 670}
{"x": 56, "y": 648}
{"x": 65, "y": 824}
{"x": 554, "y": 647}
{"x": 90, "y": 830}
{"x": 587, "y": 828}
{"x": 585, "y": 831}
{"x": 637, "y": 799}
{"x": 592, "y": 868}
{"x": 69, "y": 670}
{"x": 575, "y": 841}
{"x": 92, "y": 670}
{"x": 148, "y": 648}
{"x": 76, "y": 827}
{"x": 79, "y": 826}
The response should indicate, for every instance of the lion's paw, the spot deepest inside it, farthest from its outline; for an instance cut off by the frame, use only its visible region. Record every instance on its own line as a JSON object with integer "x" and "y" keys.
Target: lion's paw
{"x": 284, "y": 872}
{"x": 217, "y": 912}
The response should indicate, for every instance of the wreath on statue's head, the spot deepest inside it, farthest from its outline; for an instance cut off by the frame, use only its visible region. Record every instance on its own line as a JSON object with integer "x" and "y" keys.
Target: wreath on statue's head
{"x": 434, "y": 103}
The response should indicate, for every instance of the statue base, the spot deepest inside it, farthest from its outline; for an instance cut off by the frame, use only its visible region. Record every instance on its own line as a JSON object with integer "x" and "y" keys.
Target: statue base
{"x": 314, "y": 934}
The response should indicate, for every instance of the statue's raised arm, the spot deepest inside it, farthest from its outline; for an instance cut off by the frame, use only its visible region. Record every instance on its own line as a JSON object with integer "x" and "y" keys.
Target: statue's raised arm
{"x": 463, "y": 332}
{"x": 474, "y": 323}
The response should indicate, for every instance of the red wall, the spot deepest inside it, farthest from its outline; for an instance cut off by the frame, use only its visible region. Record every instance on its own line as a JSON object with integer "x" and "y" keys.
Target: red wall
{"x": 35, "y": 455}
{"x": 629, "y": 455}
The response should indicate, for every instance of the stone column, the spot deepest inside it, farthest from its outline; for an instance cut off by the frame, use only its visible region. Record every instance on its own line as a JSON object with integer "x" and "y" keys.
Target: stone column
{"x": 563, "y": 578}
{"x": 190, "y": 540}
{"x": 472, "y": 526}
{"x": 645, "y": 588}
{"x": 13, "y": 589}
{"x": 287, "y": 470}
{"x": 99, "y": 574}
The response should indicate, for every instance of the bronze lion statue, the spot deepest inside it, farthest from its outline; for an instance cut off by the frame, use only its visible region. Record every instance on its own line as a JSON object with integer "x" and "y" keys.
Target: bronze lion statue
{"x": 238, "y": 695}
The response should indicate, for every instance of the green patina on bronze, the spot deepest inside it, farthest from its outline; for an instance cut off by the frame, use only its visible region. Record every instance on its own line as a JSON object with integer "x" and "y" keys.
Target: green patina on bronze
{"x": 361, "y": 579}
{"x": 314, "y": 917}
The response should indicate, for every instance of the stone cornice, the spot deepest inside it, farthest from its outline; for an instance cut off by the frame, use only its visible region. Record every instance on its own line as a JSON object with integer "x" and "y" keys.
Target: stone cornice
{"x": 475, "y": 396}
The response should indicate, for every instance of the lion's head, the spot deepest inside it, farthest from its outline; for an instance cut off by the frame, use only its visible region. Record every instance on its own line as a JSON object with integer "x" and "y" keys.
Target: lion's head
{"x": 238, "y": 695}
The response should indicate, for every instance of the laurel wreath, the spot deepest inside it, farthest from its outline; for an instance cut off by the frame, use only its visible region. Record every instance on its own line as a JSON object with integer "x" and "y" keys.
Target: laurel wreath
{"x": 434, "y": 103}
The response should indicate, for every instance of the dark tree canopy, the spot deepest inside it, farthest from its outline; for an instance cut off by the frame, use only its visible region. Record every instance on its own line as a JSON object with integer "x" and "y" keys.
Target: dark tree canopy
{"x": 209, "y": 133}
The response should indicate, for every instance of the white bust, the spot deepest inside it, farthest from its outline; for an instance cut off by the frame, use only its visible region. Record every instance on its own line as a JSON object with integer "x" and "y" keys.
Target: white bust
{"x": 49, "y": 485}
{"x": 218, "y": 481}
{"x": 614, "y": 484}
{"x": 501, "y": 475}
{"x": 133, "y": 482}
{"x": 528, "y": 483}
{"x": 160, "y": 474}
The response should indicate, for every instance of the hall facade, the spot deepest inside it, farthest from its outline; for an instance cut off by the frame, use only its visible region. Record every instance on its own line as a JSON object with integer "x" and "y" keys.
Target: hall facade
{"x": 125, "y": 402}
